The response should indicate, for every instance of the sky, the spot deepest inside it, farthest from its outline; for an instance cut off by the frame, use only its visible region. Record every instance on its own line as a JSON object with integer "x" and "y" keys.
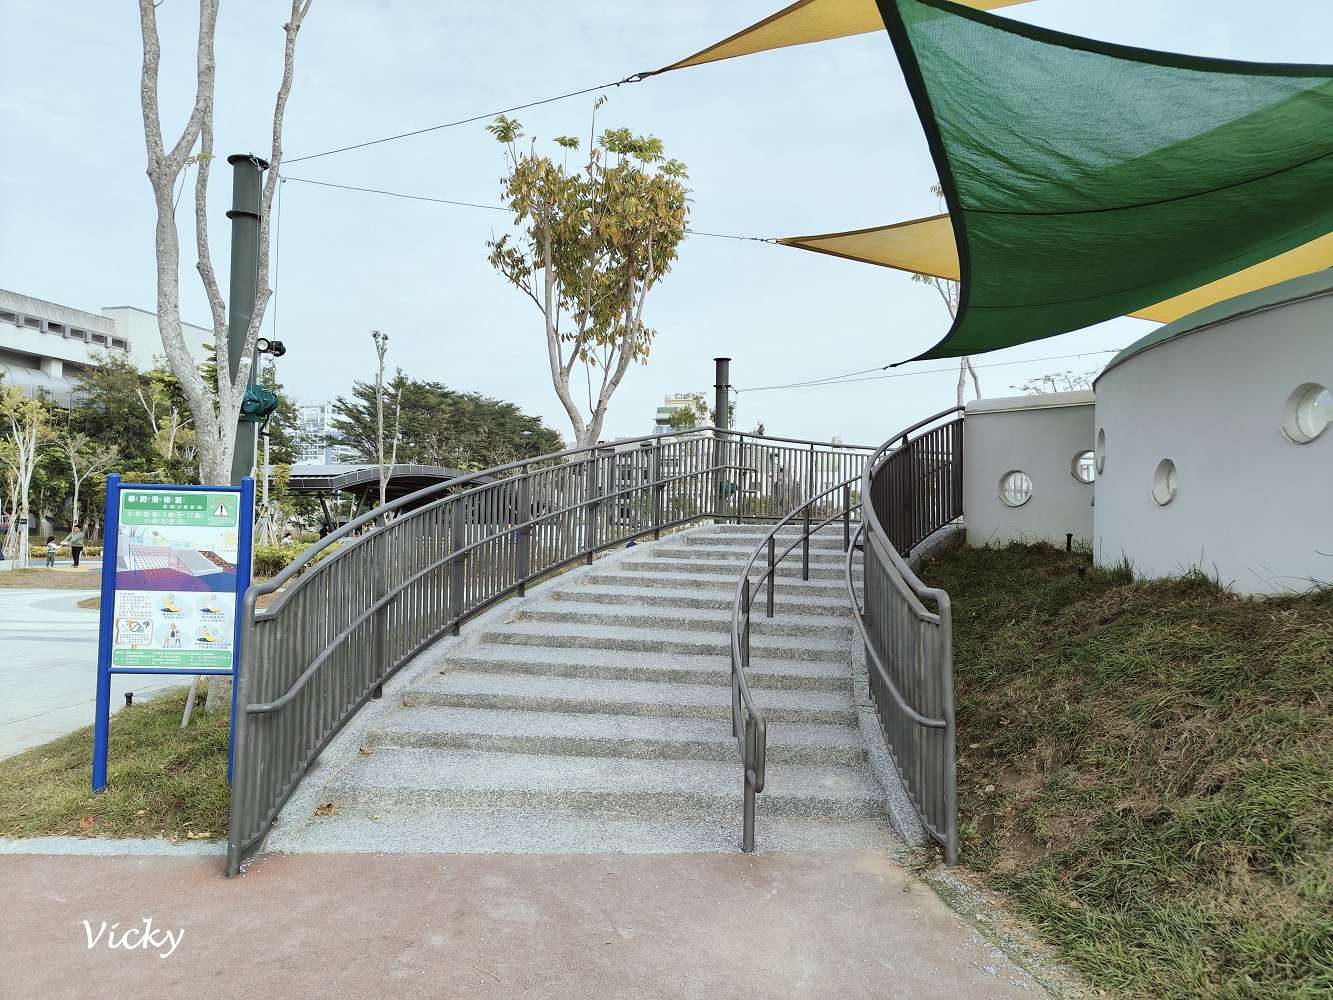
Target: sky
{"x": 817, "y": 138}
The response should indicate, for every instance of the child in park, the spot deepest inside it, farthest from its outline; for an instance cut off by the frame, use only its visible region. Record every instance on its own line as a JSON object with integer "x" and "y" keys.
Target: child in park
{"x": 50, "y": 550}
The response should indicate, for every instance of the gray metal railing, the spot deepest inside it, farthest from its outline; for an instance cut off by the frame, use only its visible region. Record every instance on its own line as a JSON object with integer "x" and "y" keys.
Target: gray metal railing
{"x": 913, "y": 486}
{"x": 359, "y": 604}
{"x": 840, "y": 502}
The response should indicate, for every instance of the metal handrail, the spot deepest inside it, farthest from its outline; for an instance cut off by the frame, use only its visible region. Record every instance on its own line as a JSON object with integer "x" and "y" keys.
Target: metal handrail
{"x": 750, "y": 728}
{"x": 908, "y": 645}
{"x": 345, "y": 619}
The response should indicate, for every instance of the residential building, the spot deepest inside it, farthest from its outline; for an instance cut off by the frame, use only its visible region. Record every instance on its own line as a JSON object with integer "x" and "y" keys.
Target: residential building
{"x": 44, "y": 345}
{"x": 672, "y": 405}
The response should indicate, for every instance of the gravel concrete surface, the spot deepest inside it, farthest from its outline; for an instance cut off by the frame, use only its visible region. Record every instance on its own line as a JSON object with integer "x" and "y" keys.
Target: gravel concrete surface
{"x": 842, "y": 925}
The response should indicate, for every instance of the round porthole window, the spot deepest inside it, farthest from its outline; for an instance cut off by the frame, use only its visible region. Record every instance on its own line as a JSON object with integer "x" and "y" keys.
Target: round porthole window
{"x": 1015, "y": 488}
{"x": 1164, "y": 482}
{"x": 1083, "y": 467}
{"x": 1100, "y": 461}
{"x": 1309, "y": 412}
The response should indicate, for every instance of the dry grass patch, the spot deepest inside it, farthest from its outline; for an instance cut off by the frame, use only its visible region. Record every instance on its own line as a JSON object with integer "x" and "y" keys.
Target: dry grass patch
{"x": 1161, "y": 756}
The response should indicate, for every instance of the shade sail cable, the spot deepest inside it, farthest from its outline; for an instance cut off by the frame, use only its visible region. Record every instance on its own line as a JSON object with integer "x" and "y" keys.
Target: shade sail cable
{"x": 634, "y": 78}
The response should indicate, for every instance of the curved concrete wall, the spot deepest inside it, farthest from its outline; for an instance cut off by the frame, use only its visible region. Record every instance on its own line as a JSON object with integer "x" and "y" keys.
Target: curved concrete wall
{"x": 1251, "y": 506}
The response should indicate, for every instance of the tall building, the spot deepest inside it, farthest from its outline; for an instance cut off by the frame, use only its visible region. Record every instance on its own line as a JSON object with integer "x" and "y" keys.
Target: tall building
{"x": 44, "y": 345}
{"x": 316, "y": 432}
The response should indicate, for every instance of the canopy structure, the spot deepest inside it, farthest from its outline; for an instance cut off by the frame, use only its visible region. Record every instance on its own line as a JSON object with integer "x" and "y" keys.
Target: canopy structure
{"x": 926, "y": 246}
{"x": 802, "y": 22}
{"x": 1086, "y": 180}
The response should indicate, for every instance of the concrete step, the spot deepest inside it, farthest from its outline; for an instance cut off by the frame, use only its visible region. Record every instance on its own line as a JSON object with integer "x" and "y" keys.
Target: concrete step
{"x": 639, "y": 576}
{"x": 722, "y": 555}
{"x": 618, "y": 787}
{"x": 637, "y": 737}
{"x": 667, "y": 640}
{"x": 425, "y": 829}
{"x": 622, "y": 665}
{"x": 788, "y": 569}
{"x": 686, "y": 619}
{"x": 468, "y": 689}
{"x": 612, "y": 595}
{"x": 820, "y": 541}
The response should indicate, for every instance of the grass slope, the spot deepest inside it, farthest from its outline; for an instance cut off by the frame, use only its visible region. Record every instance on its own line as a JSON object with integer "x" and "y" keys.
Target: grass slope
{"x": 1146, "y": 770}
{"x": 162, "y": 781}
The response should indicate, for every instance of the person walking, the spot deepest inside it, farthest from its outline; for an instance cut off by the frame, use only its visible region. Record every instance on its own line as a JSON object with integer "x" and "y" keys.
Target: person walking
{"x": 75, "y": 542}
{"x": 50, "y": 551}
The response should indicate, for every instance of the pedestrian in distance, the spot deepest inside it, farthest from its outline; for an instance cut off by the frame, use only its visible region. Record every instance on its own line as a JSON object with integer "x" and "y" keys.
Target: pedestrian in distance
{"x": 75, "y": 542}
{"x": 50, "y": 550}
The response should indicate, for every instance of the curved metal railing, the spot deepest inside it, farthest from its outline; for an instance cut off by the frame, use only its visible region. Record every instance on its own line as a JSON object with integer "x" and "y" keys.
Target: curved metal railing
{"x": 356, "y": 606}
{"x": 748, "y": 724}
{"x": 913, "y": 486}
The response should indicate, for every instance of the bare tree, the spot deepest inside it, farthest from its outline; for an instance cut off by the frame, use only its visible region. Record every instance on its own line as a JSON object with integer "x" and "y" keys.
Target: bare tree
{"x": 85, "y": 459}
{"x": 215, "y": 412}
{"x": 1065, "y": 381}
{"x": 381, "y": 349}
{"x": 949, "y": 292}
{"x": 28, "y": 432}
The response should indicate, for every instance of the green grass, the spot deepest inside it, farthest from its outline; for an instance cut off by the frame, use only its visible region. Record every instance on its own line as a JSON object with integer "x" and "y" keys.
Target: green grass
{"x": 1160, "y": 759}
{"x": 162, "y": 781}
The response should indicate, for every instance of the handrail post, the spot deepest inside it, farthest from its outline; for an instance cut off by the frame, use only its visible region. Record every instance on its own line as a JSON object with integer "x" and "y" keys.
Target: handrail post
{"x": 805, "y": 542}
{"x": 654, "y": 475}
{"x": 846, "y": 518}
{"x": 458, "y": 563}
{"x": 750, "y": 764}
{"x": 590, "y": 505}
{"x": 523, "y": 556}
{"x": 381, "y": 624}
{"x": 772, "y": 571}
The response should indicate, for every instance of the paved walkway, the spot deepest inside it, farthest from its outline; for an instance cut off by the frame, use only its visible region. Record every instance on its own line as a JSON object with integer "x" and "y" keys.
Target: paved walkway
{"x": 842, "y": 925}
{"x": 48, "y": 670}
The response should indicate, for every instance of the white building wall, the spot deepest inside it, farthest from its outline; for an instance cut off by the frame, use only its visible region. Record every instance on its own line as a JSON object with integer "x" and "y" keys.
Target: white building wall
{"x": 1040, "y": 435}
{"x": 139, "y": 327}
{"x": 1251, "y": 506}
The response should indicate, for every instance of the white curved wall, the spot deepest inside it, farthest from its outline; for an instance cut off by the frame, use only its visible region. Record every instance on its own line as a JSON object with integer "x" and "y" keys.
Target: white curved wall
{"x": 1038, "y": 435}
{"x": 1251, "y": 507}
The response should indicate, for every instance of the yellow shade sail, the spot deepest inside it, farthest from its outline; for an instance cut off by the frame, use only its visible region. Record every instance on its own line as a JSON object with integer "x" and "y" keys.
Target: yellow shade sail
{"x": 807, "y": 21}
{"x": 926, "y": 246}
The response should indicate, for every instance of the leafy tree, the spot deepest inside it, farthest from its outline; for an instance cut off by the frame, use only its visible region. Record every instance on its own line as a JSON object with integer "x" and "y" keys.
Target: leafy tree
{"x": 109, "y": 409}
{"x": 593, "y": 242}
{"x": 442, "y": 426}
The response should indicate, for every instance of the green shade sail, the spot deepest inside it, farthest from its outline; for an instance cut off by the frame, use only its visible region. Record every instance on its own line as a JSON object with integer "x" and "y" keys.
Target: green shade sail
{"x": 1087, "y": 180}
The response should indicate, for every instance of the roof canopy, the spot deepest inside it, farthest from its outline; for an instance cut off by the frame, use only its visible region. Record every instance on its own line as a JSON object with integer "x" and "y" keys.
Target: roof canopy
{"x": 806, "y": 21}
{"x": 926, "y": 246}
{"x": 1086, "y": 180}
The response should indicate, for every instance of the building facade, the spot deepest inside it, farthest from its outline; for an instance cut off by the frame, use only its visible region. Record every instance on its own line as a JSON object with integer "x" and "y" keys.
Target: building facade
{"x": 44, "y": 345}
{"x": 316, "y": 434}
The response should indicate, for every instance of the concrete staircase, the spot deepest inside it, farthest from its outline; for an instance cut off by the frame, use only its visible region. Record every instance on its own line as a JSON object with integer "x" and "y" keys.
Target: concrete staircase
{"x": 595, "y": 716}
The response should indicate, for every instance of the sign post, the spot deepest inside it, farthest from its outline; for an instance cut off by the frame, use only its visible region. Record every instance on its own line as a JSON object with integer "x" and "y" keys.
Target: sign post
{"x": 175, "y": 563}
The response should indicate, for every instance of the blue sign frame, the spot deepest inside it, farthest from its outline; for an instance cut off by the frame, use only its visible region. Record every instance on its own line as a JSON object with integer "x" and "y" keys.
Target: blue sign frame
{"x": 111, "y": 537}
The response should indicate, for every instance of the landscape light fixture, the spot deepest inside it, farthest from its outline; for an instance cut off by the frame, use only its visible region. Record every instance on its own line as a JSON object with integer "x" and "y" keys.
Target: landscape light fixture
{"x": 274, "y": 347}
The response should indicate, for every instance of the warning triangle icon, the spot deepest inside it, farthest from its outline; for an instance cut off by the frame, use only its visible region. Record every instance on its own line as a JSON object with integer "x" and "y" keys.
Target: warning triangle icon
{"x": 220, "y": 510}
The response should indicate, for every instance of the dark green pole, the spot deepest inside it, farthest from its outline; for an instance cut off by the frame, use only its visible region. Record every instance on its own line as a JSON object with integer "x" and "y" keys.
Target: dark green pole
{"x": 721, "y": 449}
{"x": 247, "y": 173}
